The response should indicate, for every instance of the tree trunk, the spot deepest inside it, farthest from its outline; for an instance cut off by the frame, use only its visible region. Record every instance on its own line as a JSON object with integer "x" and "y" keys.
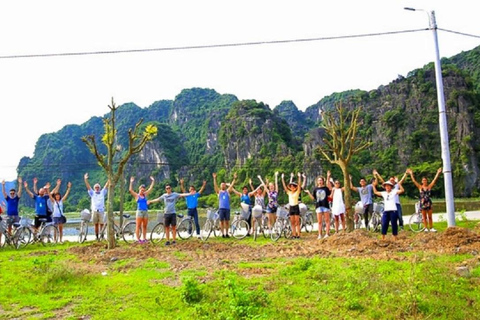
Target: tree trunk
{"x": 347, "y": 196}
{"x": 110, "y": 217}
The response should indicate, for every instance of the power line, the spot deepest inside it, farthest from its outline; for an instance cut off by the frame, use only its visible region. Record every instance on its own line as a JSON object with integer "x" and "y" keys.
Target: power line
{"x": 225, "y": 45}
{"x": 460, "y": 33}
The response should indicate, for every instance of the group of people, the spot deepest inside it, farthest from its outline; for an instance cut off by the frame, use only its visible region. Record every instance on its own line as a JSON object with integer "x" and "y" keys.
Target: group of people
{"x": 48, "y": 204}
{"x": 327, "y": 195}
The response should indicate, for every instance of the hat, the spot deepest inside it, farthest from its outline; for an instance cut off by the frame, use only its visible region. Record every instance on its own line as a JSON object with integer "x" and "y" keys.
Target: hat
{"x": 387, "y": 182}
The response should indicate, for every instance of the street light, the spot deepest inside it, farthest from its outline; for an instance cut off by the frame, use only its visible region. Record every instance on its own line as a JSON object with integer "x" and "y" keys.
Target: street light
{"x": 447, "y": 171}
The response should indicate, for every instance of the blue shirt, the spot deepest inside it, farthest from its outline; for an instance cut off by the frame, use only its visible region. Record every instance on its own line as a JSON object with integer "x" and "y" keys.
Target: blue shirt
{"x": 40, "y": 204}
{"x": 245, "y": 198}
{"x": 12, "y": 205}
{"x": 192, "y": 200}
{"x": 142, "y": 203}
{"x": 223, "y": 200}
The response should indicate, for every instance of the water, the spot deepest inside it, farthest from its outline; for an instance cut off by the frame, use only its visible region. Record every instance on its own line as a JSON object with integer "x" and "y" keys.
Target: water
{"x": 440, "y": 207}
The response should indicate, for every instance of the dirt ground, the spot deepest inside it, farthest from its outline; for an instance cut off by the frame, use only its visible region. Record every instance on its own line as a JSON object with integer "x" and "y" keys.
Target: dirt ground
{"x": 220, "y": 254}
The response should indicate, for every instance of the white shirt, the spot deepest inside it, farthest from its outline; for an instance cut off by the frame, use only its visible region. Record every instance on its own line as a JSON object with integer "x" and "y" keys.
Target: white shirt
{"x": 389, "y": 203}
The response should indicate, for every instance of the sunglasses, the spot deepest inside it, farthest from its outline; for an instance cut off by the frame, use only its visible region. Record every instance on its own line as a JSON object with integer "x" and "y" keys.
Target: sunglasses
{"x": 168, "y": 188}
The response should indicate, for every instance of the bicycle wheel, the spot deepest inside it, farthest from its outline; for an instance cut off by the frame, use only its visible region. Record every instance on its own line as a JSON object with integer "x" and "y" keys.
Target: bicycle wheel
{"x": 206, "y": 230}
{"x": 128, "y": 232}
{"x": 22, "y": 237}
{"x": 82, "y": 232}
{"x": 287, "y": 229}
{"x": 185, "y": 229}
{"x": 416, "y": 223}
{"x": 376, "y": 222}
{"x": 309, "y": 223}
{"x": 240, "y": 229}
{"x": 49, "y": 235}
{"x": 158, "y": 233}
{"x": 276, "y": 230}
{"x": 358, "y": 223}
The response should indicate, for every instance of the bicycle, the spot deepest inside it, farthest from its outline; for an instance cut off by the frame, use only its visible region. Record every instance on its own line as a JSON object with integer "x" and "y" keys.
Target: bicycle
{"x": 261, "y": 222}
{"x": 184, "y": 228}
{"x": 13, "y": 238}
{"x": 306, "y": 219}
{"x": 240, "y": 228}
{"x": 85, "y": 217}
{"x": 47, "y": 231}
{"x": 376, "y": 219}
{"x": 282, "y": 225}
{"x": 126, "y": 231}
{"x": 416, "y": 220}
{"x": 212, "y": 224}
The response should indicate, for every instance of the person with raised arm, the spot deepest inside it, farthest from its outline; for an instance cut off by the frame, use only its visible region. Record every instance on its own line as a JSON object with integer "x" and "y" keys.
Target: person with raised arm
{"x": 97, "y": 196}
{"x": 141, "y": 216}
{"x": 57, "y": 205}
{"x": 293, "y": 191}
{"x": 223, "y": 194}
{"x": 192, "y": 203}
{"x": 425, "y": 201}
{"x": 338, "y": 205}
{"x": 12, "y": 199}
{"x": 272, "y": 204}
{"x": 390, "y": 207}
{"x": 322, "y": 207}
{"x": 396, "y": 186}
{"x": 245, "y": 200}
{"x": 366, "y": 198}
{"x": 41, "y": 204}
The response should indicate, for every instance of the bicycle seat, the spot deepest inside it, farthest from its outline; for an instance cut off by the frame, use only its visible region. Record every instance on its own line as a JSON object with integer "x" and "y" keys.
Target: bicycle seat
{"x": 16, "y": 224}
{"x": 42, "y": 219}
{"x": 126, "y": 215}
{"x": 180, "y": 215}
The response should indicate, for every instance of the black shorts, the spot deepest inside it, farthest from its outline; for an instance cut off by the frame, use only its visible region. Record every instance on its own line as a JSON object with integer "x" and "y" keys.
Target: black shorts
{"x": 170, "y": 220}
{"x": 294, "y": 210}
{"x": 37, "y": 222}
{"x": 224, "y": 214}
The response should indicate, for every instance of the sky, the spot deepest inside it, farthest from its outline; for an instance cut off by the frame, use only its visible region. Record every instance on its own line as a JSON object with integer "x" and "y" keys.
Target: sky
{"x": 43, "y": 94}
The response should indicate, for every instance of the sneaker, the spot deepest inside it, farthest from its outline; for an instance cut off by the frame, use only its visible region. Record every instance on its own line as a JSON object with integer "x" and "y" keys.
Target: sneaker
{"x": 319, "y": 237}
{"x": 425, "y": 230}
{"x": 326, "y": 236}
{"x": 223, "y": 236}
{"x": 433, "y": 230}
{"x": 167, "y": 243}
{"x": 227, "y": 236}
{"x": 174, "y": 242}
{"x": 198, "y": 235}
{"x": 140, "y": 241}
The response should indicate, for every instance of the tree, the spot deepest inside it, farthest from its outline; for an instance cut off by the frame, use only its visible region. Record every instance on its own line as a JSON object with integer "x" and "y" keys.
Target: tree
{"x": 340, "y": 145}
{"x": 113, "y": 168}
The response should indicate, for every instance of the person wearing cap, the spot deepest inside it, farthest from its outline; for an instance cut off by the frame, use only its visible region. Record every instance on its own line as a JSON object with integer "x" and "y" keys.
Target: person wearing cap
{"x": 322, "y": 207}
{"x": 390, "y": 214}
{"x": 425, "y": 201}
{"x": 396, "y": 185}
{"x": 141, "y": 217}
{"x": 97, "y": 196}
{"x": 223, "y": 194}
{"x": 192, "y": 203}
{"x": 12, "y": 199}
{"x": 293, "y": 192}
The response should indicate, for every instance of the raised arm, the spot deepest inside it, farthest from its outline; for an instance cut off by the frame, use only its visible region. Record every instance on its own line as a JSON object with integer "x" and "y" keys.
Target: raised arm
{"x": 215, "y": 186}
{"x": 263, "y": 184}
{"x": 203, "y": 186}
{"x": 403, "y": 178}
{"x": 400, "y": 189}
{"x": 236, "y": 192}
{"x": 85, "y": 178}
{"x": 69, "y": 186}
{"x": 20, "y": 182}
{"x": 309, "y": 194}
{"x": 251, "y": 184}
{"x": 130, "y": 188}
{"x": 351, "y": 184}
{"x": 327, "y": 183}
{"x": 152, "y": 182}
{"x": 57, "y": 186}
{"x": 106, "y": 184}
{"x": 232, "y": 183}
{"x": 182, "y": 187}
{"x": 299, "y": 182}
{"x": 410, "y": 172}
{"x": 276, "y": 181}
{"x": 3, "y": 189}
{"x": 374, "y": 186}
{"x": 304, "y": 184}
{"x": 283, "y": 183}
{"x": 377, "y": 175}
{"x": 35, "y": 189}
{"x": 430, "y": 186}
{"x": 30, "y": 193}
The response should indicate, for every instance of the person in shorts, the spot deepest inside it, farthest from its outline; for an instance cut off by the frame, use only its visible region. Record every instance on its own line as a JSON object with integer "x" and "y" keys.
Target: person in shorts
{"x": 272, "y": 204}
{"x": 170, "y": 218}
{"x": 12, "y": 199}
{"x": 322, "y": 207}
{"x": 141, "y": 217}
{"x": 223, "y": 194}
{"x": 293, "y": 191}
{"x": 57, "y": 206}
{"x": 97, "y": 196}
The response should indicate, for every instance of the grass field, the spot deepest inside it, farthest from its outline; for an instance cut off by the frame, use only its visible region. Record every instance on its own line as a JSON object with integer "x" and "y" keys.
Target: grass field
{"x": 352, "y": 276}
